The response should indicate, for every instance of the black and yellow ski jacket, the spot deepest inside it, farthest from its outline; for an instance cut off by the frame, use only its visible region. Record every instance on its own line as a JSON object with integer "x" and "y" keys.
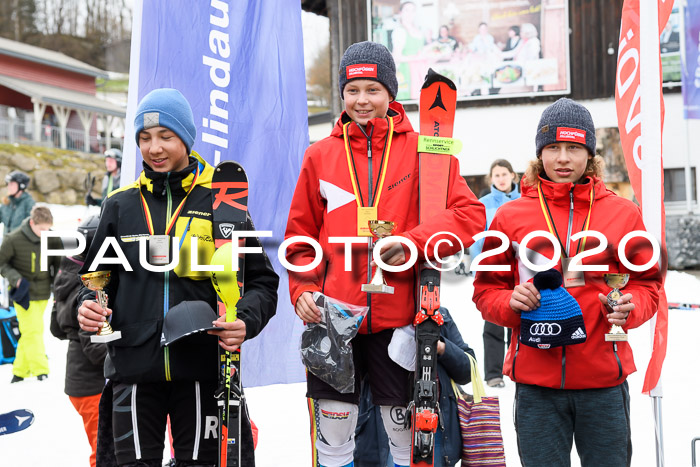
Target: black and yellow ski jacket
{"x": 140, "y": 299}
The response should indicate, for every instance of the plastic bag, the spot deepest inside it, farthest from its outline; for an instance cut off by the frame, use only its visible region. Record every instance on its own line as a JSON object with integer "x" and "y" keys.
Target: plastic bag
{"x": 325, "y": 347}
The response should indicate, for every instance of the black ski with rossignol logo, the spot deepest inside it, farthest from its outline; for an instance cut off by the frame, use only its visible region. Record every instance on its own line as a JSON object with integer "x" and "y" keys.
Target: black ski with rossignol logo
{"x": 229, "y": 191}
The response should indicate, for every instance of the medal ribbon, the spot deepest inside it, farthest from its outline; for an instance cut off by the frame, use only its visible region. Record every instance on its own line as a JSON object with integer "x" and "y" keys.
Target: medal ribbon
{"x": 553, "y": 228}
{"x": 173, "y": 218}
{"x": 385, "y": 163}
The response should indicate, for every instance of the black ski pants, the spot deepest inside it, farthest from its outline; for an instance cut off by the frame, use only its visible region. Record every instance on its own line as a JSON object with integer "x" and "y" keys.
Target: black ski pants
{"x": 494, "y": 349}
{"x": 548, "y": 421}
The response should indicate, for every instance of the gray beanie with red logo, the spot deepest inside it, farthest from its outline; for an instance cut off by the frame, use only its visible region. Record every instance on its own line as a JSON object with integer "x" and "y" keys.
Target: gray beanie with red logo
{"x": 368, "y": 60}
{"x": 563, "y": 121}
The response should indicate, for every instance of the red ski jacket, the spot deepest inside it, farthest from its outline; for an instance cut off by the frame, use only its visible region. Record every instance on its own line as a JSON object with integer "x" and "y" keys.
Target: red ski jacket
{"x": 594, "y": 363}
{"x": 325, "y": 205}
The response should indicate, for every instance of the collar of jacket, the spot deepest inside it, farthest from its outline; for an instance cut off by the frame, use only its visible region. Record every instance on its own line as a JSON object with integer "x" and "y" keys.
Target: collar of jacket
{"x": 502, "y": 196}
{"x": 27, "y": 231}
{"x": 15, "y": 200}
{"x": 558, "y": 193}
{"x": 179, "y": 181}
{"x": 377, "y": 127}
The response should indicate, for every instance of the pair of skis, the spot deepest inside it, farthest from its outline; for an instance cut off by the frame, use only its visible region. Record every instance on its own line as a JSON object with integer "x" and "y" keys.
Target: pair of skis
{"x": 438, "y": 100}
{"x": 230, "y": 213}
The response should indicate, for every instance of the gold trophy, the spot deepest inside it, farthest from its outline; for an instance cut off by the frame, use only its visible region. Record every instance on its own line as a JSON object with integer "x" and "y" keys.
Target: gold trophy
{"x": 616, "y": 281}
{"x": 97, "y": 281}
{"x": 379, "y": 229}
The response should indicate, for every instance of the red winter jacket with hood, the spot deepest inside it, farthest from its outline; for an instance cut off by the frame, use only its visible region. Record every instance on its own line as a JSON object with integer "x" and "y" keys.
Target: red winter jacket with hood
{"x": 594, "y": 363}
{"x": 324, "y": 205}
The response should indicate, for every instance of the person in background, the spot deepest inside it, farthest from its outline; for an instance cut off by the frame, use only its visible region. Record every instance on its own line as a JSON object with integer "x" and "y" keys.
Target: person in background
{"x": 453, "y": 364}
{"x": 372, "y": 140}
{"x": 17, "y": 205}
{"x": 445, "y": 45}
{"x": 408, "y": 41}
{"x": 110, "y": 182}
{"x": 84, "y": 360}
{"x": 20, "y": 264}
{"x": 574, "y": 391}
{"x": 512, "y": 44}
{"x": 504, "y": 188}
{"x": 530, "y": 47}
{"x": 483, "y": 43}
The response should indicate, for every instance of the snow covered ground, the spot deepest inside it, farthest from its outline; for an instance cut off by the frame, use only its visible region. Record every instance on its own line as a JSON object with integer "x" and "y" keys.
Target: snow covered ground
{"x": 57, "y": 437}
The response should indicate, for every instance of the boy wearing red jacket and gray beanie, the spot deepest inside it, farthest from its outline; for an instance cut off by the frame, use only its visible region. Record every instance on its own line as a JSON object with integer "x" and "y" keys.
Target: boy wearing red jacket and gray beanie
{"x": 576, "y": 391}
{"x": 367, "y": 169}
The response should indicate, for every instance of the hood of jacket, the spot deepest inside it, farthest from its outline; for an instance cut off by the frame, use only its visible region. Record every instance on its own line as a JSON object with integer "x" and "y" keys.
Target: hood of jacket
{"x": 16, "y": 200}
{"x": 27, "y": 231}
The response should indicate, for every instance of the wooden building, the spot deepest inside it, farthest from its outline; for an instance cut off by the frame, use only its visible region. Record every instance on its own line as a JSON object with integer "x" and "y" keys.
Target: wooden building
{"x": 42, "y": 91}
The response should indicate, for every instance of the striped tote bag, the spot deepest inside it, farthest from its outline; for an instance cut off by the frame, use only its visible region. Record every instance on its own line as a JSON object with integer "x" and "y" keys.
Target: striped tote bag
{"x": 480, "y": 424}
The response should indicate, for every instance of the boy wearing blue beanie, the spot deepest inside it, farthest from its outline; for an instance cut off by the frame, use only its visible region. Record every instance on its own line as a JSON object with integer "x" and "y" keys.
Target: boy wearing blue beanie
{"x": 149, "y": 381}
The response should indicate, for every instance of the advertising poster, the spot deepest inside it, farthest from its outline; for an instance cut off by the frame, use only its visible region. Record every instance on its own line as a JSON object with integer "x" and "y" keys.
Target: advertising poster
{"x": 691, "y": 65}
{"x": 489, "y": 48}
{"x": 670, "y": 46}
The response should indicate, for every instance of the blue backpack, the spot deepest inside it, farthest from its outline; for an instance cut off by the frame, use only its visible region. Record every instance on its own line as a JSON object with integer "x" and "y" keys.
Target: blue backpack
{"x": 9, "y": 334}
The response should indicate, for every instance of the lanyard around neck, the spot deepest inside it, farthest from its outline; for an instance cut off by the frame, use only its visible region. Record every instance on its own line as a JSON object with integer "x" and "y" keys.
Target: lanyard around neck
{"x": 385, "y": 163}
{"x": 553, "y": 228}
{"x": 173, "y": 218}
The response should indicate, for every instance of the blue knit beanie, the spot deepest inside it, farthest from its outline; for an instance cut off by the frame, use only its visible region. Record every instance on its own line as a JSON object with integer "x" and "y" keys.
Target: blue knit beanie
{"x": 168, "y": 108}
{"x": 558, "y": 321}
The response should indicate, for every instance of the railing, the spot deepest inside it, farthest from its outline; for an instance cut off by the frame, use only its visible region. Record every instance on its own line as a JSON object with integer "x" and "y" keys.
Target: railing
{"x": 18, "y": 131}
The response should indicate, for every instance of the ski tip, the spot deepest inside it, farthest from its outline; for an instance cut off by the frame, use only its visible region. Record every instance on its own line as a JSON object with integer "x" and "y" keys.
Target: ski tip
{"x": 434, "y": 77}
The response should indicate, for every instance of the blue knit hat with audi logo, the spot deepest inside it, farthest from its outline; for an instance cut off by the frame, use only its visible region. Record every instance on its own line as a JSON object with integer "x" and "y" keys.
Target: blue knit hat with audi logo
{"x": 558, "y": 321}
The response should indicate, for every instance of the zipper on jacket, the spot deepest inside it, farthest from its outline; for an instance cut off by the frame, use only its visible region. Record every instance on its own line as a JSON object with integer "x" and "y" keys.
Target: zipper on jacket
{"x": 515, "y": 357}
{"x": 325, "y": 274}
{"x": 619, "y": 363}
{"x": 33, "y": 269}
{"x": 568, "y": 242}
{"x": 571, "y": 221}
{"x": 166, "y": 278}
{"x": 370, "y": 201}
{"x": 563, "y": 366}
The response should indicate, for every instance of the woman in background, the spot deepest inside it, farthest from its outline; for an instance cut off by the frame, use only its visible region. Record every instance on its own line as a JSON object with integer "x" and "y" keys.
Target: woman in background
{"x": 503, "y": 189}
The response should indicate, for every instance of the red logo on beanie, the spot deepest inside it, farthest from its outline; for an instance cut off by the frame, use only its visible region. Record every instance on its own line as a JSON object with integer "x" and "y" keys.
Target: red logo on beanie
{"x": 362, "y": 70}
{"x": 571, "y": 134}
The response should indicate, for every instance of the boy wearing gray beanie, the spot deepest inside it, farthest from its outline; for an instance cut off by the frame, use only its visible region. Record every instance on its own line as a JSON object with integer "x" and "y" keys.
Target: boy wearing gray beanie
{"x": 149, "y": 379}
{"x": 367, "y": 169}
{"x": 569, "y": 392}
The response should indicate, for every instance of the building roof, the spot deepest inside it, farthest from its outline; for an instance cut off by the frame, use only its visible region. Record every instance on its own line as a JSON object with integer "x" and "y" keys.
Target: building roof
{"x": 48, "y": 57}
{"x": 60, "y": 96}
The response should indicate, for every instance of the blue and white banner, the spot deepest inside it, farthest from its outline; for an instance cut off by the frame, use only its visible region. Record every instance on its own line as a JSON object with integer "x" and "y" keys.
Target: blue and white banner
{"x": 691, "y": 64}
{"x": 240, "y": 64}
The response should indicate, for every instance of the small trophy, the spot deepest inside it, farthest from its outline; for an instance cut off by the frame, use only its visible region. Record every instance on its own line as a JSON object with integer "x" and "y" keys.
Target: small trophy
{"x": 97, "y": 281}
{"x": 616, "y": 281}
{"x": 379, "y": 229}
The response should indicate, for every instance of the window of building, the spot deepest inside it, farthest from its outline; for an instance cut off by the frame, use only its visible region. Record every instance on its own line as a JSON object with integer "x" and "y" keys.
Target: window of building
{"x": 674, "y": 184}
